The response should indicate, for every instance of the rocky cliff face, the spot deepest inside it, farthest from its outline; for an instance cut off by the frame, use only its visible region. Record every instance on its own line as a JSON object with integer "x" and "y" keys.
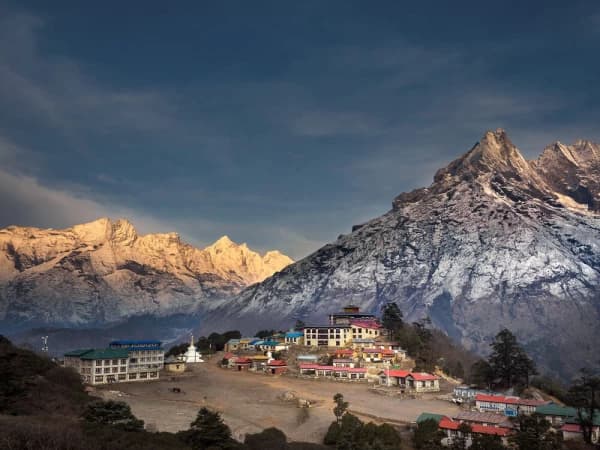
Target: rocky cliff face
{"x": 495, "y": 241}
{"x": 104, "y": 271}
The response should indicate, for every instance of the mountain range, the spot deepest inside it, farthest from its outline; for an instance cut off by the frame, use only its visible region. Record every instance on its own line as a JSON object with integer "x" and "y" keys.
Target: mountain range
{"x": 104, "y": 271}
{"x": 495, "y": 241}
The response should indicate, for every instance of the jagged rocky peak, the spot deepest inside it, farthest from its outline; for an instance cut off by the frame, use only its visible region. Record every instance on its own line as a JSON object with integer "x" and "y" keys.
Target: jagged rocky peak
{"x": 123, "y": 232}
{"x": 572, "y": 173}
{"x": 224, "y": 242}
{"x": 493, "y": 153}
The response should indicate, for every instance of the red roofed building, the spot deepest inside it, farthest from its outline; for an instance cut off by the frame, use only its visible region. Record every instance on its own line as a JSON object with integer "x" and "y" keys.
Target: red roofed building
{"x": 365, "y": 329}
{"x": 344, "y": 353}
{"x": 508, "y": 405}
{"x": 346, "y": 373}
{"x": 451, "y": 428}
{"x": 241, "y": 364}
{"x": 423, "y": 382}
{"x": 276, "y": 367}
{"x": 413, "y": 381}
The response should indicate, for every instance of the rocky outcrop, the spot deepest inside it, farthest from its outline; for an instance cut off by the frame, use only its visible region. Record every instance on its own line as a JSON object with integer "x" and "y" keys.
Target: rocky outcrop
{"x": 495, "y": 241}
{"x": 104, "y": 271}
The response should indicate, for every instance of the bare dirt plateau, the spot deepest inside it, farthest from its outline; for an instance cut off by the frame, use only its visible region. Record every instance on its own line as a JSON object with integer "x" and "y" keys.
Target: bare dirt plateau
{"x": 250, "y": 402}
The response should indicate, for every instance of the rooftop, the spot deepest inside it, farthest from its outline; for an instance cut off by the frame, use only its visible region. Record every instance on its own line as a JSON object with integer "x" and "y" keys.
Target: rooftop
{"x": 106, "y": 353}
{"x": 430, "y": 416}
{"x": 79, "y": 352}
{"x": 449, "y": 424}
{"x": 552, "y": 409}
{"x": 136, "y": 343}
{"x": 509, "y": 400}
{"x": 422, "y": 376}
{"x": 294, "y": 334}
{"x": 483, "y": 417}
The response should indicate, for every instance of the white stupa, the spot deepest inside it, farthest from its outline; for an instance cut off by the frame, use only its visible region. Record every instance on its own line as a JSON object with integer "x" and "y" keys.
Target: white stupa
{"x": 192, "y": 355}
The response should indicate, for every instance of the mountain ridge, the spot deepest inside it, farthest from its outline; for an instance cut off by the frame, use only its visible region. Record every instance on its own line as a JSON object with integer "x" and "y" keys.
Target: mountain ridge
{"x": 103, "y": 271}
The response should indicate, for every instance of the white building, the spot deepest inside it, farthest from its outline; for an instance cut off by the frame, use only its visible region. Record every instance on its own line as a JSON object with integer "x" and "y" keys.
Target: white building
{"x": 192, "y": 355}
{"x": 123, "y": 361}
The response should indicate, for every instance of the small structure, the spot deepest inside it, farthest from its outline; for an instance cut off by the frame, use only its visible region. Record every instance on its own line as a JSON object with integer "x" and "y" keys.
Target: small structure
{"x": 276, "y": 367}
{"x": 483, "y": 418}
{"x": 349, "y": 312}
{"x": 394, "y": 377}
{"x": 242, "y": 364}
{"x": 507, "y": 405}
{"x": 343, "y": 362}
{"x": 232, "y": 345}
{"x": 422, "y": 382}
{"x": 174, "y": 365}
{"x": 430, "y": 416}
{"x": 557, "y": 415}
{"x": 307, "y": 358}
{"x": 464, "y": 393}
{"x": 192, "y": 356}
{"x": 343, "y": 373}
{"x": 294, "y": 337}
{"x": 344, "y": 353}
{"x": 259, "y": 362}
{"x": 378, "y": 355}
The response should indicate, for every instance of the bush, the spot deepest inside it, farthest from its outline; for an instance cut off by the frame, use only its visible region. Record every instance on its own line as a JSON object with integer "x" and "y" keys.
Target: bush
{"x": 117, "y": 414}
{"x": 268, "y": 439}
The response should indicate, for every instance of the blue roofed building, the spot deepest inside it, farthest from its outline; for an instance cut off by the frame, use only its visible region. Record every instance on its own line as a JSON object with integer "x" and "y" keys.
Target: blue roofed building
{"x": 294, "y": 337}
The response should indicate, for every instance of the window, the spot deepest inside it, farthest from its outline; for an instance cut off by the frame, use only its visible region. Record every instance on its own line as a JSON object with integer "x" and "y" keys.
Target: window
{"x": 115, "y": 369}
{"x": 122, "y": 369}
{"x": 98, "y": 370}
{"x": 123, "y": 361}
{"x": 153, "y": 374}
{"x": 143, "y": 374}
{"x": 98, "y": 362}
{"x": 107, "y": 370}
{"x": 115, "y": 362}
{"x": 122, "y": 376}
{"x": 133, "y": 376}
{"x": 98, "y": 379}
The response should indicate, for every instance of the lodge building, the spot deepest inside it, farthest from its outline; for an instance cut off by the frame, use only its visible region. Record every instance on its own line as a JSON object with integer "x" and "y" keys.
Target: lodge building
{"x": 123, "y": 361}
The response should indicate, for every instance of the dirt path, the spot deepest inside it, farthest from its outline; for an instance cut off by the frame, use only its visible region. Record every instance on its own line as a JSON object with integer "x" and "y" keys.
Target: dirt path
{"x": 251, "y": 402}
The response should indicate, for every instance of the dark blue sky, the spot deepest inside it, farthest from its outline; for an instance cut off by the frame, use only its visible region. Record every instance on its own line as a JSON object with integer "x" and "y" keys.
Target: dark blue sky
{"x": 278, "y": 123}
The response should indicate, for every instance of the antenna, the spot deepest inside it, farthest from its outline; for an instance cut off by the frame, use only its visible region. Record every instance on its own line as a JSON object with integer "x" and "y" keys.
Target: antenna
{"x": 45, "y": 344}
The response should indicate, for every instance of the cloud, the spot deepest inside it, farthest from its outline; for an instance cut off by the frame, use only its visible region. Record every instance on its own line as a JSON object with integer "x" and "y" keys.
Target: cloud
{"x": 53, "y": 92}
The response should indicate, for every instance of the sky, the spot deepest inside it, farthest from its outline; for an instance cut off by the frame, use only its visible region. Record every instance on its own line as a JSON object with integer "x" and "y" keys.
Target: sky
{"x": 277, "y": 123}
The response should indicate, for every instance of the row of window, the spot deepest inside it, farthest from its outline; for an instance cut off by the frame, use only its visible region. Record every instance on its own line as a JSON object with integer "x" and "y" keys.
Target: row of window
{"x": 108, "y": 362}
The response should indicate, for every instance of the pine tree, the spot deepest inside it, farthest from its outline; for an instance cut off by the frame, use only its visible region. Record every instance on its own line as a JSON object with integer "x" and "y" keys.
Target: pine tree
{"x": 208, "y": 431}
{"x": 585, "y": 396}
{"x": 535, "y": 433}
{"x": 391, "y": 319}
{"x": 340, "y": 407}
{"x": 508, "y": 360}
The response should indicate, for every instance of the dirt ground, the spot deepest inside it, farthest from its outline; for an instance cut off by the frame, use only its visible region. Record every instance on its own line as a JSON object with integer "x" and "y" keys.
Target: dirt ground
{"x": 250, "y": 402}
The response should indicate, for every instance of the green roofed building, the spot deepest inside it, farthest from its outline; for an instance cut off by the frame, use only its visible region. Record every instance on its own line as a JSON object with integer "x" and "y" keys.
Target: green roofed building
{"x": 556, "y": 414}
{"x": 430, "y": 416}
{"x": 116, "y": 364}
